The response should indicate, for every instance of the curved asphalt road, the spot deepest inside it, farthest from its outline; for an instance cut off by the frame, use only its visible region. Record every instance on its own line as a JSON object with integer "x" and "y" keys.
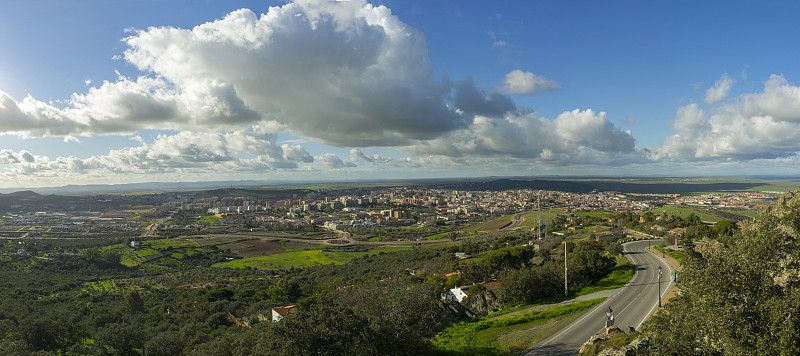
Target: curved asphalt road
{"x": 631, "y": 305}
{"x": 515, "y": 221}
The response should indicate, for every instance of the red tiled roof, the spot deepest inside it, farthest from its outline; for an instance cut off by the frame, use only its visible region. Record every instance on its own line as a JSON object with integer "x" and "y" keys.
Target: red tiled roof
{"x": 492, "y": 285}
{"x": 284, "y": 311}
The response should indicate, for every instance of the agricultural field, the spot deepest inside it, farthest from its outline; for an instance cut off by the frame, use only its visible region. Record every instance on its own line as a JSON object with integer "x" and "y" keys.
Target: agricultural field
{"x": 300, "y": 259}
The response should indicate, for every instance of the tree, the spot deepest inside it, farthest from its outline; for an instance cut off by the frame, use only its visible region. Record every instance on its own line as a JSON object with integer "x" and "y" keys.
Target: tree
{"x": 613, "y": 248}
{"x": 164, "y": 344}
{"x": 739, "y": 298}
{"x": 123, "y": 338}
{"x": 725, "y": 229}
{"x": 283, "y": 291}
{"x": 133, "y": 302}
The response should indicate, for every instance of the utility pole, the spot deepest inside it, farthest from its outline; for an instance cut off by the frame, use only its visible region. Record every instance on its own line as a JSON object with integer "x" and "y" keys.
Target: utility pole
{"x": 659, "y": 286}
{"x": 538, "y": 219}
{"x": 566, "y": 287}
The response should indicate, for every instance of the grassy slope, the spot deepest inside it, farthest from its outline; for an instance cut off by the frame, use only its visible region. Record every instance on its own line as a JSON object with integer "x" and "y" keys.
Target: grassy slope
{"x": 676, "y": 254}
{"x": 616, "y": 279}
{"x": 547, "y": 216}
{"x": 480, "y": 337}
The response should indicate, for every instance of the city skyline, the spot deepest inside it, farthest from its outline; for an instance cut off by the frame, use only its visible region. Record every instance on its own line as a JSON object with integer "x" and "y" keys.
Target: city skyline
{"x": 137, "y": 91}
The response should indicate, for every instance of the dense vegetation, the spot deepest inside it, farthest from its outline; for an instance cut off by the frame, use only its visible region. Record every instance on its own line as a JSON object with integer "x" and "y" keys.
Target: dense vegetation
{"x": 739, "y": 295}
{"x": 81, "y": 297}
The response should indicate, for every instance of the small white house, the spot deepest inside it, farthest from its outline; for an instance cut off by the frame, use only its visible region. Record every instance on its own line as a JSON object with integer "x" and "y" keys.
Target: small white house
{"x": 460, "y": 293}
{"x": 279, "y": 312}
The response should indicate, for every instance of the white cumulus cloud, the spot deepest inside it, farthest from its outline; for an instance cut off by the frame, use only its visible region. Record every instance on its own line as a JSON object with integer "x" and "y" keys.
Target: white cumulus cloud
{"x": 333, "y": 161}
{"x": 186, "y": 152}
{"x": 342, "y": 73}
{"x": 572, "y": 137}
{"x": 758, "y": 125}
{"x": 720, "y": 90}
{"x": 527, "y": 83}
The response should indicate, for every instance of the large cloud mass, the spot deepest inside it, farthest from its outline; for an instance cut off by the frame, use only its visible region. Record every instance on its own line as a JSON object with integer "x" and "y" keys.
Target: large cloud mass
{"x": 760, "y": 125}
{"x": 572, "y": 137}
{"x": 348, "y": 74}
{"x": 185, "y": 152}
{"x": 345, "y": 73}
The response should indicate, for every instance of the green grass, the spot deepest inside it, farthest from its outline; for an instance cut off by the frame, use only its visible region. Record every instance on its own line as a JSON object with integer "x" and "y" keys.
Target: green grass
{"x": 100, "y": 286}
{"x": 685, "y": 212}
{"x": 169, "y": 243}
{"x": 751, "y": 214}
{"x": 144, "y": 252}
{"x": 480, "y": 337}
{"x": 440, "y": 236}
{"x": 616, "y": 279}
{"x": 547, "y": 216}
{"x": 210, "y": 220}
{"x": 595, "y": 214}
{"x": 139, "y": 211}
{"x": 676, "y": 254}
{"x": 300, "y": 259}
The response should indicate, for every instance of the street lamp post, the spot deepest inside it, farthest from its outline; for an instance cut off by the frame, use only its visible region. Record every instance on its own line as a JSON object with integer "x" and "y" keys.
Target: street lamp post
{"x": 609, "y": 317}
{"x": 659, "y": 286}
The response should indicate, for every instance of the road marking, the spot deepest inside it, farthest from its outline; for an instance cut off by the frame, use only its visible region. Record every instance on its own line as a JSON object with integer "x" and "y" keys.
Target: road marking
{"x": 635, "y": 278}
{"x": 570, "y": 326}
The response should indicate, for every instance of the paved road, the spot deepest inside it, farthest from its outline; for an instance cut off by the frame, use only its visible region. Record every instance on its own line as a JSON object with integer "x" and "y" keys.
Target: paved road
{"x": 515, "y": 221}
{"x": 631, "y": 305}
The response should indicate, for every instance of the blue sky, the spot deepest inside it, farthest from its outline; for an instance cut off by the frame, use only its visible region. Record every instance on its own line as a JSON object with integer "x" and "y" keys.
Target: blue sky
{"x": 146, "y": 90}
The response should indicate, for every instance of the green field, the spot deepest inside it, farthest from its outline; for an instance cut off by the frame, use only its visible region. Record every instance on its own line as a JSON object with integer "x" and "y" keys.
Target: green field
{"x": 547, "y": 216}
{"x": 300, "y": 259}
{"x": 169, "y": 243}
{"x": 751, "y": 214}
{"x": 685, "y": 212}
{"x": 210, "y": 220}
{"x": 595, "y": 214}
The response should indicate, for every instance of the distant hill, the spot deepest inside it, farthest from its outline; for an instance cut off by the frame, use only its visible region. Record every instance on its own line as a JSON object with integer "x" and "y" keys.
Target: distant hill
{"x": 25, "y": 194}
{"x": 670, "y": 185}
{"x": 7, "y": 200}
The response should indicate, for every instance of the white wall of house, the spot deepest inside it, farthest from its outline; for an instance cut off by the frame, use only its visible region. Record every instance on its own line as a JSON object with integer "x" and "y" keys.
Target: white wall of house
{"x": 458, "y": 293}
